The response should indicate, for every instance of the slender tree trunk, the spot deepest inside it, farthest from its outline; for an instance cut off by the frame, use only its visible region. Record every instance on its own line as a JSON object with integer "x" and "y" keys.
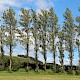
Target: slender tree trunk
{"x": 54, "y": 62}
{"x": 2, "y": 53}
{"x": 44, "y": 48}
{"x": 79, "y": 53}
{"x": 36, "y": 54}
{"x": 71, "y": 60}
{"x": 27, "y": 52}
{"x": 61, "y": 56}
{"x": 71, "y": 53}
{"x": 54, "y": 55}
{"x": 45, "y": 62}
{"x": 62, "y": 67}
{"x": 10, "y": 66}
{"x": 53, "y": 50}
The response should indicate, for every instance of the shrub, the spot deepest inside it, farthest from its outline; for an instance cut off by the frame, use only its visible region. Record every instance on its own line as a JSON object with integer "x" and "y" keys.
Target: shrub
{"x": 78, "y": 70}
{"x": 15, "y": 65}
{"x": 1, "y": 68}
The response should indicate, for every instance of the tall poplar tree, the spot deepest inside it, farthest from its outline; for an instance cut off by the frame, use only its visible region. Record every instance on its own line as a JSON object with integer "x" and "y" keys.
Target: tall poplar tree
{"x": 69, "y": 34}
{"x": 35, "y": 31}
{"x": 53, "y": 30}
{"x": 43, "y": 18}
{"x": 10, "y": 24}
{"x": 25, "y": 20}
{"x": 78, "y": 39}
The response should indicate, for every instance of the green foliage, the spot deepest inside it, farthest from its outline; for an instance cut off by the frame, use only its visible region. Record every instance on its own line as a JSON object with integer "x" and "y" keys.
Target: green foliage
{"x": 78, "y": 70}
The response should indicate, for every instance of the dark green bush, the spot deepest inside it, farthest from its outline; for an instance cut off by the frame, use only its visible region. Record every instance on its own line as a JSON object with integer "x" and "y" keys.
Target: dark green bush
{"x": 15, "y": 65}
{"x": 78, "y": 70}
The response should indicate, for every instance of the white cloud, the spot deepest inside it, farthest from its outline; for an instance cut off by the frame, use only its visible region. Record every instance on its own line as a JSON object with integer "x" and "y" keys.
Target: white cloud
{"x": 5, "y": 3}
{"x": 2, "y": 7}
{"x": 43, "y": 4}
{"x": 10, "y": 2}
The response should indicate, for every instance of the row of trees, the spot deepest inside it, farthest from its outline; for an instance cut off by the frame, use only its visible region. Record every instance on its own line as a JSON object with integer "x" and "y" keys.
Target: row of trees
{"x": 45, "y": 29}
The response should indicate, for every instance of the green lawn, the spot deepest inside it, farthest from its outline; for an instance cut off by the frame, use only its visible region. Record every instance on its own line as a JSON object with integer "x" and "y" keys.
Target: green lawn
{"x": 31, "y": 76}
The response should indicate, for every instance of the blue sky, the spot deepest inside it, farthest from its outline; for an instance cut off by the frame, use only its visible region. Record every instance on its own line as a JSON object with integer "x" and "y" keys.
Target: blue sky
{"x": 59, "y": 8}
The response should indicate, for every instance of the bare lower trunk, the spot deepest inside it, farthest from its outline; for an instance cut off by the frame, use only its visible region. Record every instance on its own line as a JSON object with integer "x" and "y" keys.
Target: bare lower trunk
{"x": 44, "y": 52}
{"x": 79, "y": 53}
{"x": 2, "y": 52}
{"x": 36, "y": 55}
{"x": 54, "y": 62}
{"x": 37, "y": 67}
{"x": 27, "y": 50}
{"x": 62, "y": 67}
{"x": 45, "y": 62}
{"x": 10, "y": 66}
{"x": 2, "y": 55}
{"x": 71, "y": 61}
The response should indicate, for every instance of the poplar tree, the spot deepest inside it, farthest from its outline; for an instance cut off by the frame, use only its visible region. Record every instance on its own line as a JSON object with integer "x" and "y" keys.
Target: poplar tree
{"x": 43, "y": 17}
{"x": 69, "y": 34}
{"x": 25, "y": 20}
{"x": 35, "y": 31}
{"x": 10, "y": 24}
{"x": 53, "y": 30}
{"x": 78, "y": 35}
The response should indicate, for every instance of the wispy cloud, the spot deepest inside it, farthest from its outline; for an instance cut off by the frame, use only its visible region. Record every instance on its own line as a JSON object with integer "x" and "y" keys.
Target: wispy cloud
{"x": 5, "y": 3}
{"x": 43, "y": 4}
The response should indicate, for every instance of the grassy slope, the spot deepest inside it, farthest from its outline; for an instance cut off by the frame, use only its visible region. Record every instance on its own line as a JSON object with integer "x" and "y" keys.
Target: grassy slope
{"x": 21, "y": 75}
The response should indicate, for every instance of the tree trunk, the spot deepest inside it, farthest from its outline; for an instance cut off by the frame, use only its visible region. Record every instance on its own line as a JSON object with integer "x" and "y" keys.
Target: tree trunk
{"x": 62, "y": 67}
{"x": 79, "y": 53}
{"x": 61, "y": 56}
{"x": 54, "y": 54}
{"x": 2, "y": 53}
{"x": 36, "y": 55}
{"x": 44, "y": 48}
{"x": 44, "y": 57}
{"x": 45, "y": 62}
{"x": 71, "y": 60}
{"x": 37, "y": 67}
{"x": 10, "y": 66}
{"x": 54, "y": 62}
{"x": 27, "y": 52}
{"x": 27, "y": 57}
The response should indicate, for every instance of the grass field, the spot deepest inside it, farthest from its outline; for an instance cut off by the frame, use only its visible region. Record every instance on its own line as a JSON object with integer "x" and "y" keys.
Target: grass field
{"x": 31, "y": 76}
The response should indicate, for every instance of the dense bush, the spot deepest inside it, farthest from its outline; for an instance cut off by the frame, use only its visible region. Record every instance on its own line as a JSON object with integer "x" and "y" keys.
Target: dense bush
{"x": 78, "y": 70}
{"x": 19, "y": 62}
{"x": 15, "y": 65}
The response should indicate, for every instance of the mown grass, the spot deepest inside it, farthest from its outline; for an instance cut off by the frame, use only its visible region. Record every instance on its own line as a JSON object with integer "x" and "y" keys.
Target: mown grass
{"x": 31, "y": 75}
